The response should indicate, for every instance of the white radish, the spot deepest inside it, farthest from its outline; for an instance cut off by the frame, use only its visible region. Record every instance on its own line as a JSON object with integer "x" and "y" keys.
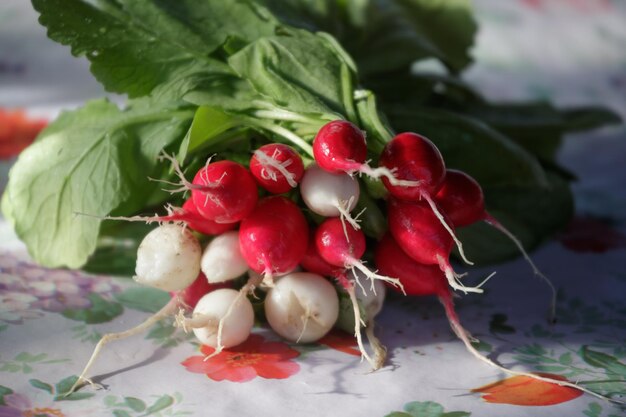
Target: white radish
{"x": 212, "y": 308}
{"x": 302, "y": 307}
{"x": 330, "y": 195}
{"x": 222, "y": 260}
{"x": 168, "y": 258}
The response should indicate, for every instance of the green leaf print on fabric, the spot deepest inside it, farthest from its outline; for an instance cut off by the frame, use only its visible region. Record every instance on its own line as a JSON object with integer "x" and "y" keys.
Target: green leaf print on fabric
{"x": 426, "y": 409}
{"x": 101, "y": 311}
{"x": 149, "y": 300}
{"x": 25, "y": 362}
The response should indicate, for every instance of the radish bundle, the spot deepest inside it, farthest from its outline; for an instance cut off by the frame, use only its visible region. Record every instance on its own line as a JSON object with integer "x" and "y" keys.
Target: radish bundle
{"x": 299, "y": 185}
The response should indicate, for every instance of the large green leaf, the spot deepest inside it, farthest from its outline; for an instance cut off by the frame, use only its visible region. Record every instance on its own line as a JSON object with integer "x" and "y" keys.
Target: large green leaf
{"x": 88, "y": 161}
{"x": 135, "y": 45}
{"x": 387, "y": 35}
{"x": 298, "y": 71}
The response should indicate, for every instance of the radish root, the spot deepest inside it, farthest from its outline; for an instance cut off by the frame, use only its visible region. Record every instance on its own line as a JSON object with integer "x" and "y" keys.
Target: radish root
{"x": 444, "y": 223}
{"x": 167, "y": 310}
{"x": 462, "y": 334}
{"x": 270, "y": 161}
{"x": 372, "y": 275}
{"x": 495, "y": 223}
{"x": 389, "y": 174}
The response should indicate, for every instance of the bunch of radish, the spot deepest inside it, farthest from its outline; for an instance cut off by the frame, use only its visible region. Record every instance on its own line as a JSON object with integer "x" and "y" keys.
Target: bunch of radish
{"x": 299, "y": 245}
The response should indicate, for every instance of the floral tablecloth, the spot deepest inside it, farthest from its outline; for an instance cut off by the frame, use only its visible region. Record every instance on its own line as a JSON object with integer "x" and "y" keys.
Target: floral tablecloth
{"x": 570, "y": 51}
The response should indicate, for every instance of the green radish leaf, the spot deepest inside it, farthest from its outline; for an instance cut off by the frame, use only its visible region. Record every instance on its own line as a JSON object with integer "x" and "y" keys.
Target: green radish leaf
{"x": 121, "y": 413}
{"x": 207, "y": 126}
{"x": 41, "y": 385}
{"x": 101, "y": 311}
{"x": 116, "y": 248}
{"x": 149, "y": 300}
{"x": 102, "y": 158}
{"x": 456, "y": 414}
{"x": 298, "y": 71}
{"x": 386, "y": 35}
{"x": 466, "y": 144}
{"x": 135, "y": 45}
{"x": 399, "y": 414}
{"x": 531, "y": 213}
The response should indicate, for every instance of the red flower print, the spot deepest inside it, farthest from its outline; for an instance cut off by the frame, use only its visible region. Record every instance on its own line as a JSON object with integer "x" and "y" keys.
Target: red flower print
{"x": 254, "y": 357}
{"x": 523, "y": 390}
{"x": 17, "y": 131}
{"x": 341, "y": 341}
{"x": 586, "y": 234}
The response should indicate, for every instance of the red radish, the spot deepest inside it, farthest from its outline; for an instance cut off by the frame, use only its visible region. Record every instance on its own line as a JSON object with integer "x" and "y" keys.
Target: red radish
{"x": 222, "y": 191}
{"x": 343, "y": 246}
{"x": 190, "y": 215}
{"x": 273, "y": 238}
{"x": 461, "y": 198}
{"x": 416, "y": 228}
{"x": 417, "y": 279}
{"x": 415, "y": 158}
{"x": 276, "y": 167}
{"x": 313, "y": 262}
{"x": 190, "y": 295}
{"x": 340, "y": 147}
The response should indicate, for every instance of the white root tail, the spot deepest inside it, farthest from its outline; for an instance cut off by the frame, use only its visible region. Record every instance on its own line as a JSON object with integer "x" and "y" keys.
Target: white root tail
{"x": 443, "y": 222}
{"x": 372, "y": 275}
{"x": 462, "y": 334}
{"x": 454, "y": 278}
{"x": 389, "y": 174}
{"x": 168, "y": 310}
{"x": 270, "y": 161}
{"x": 495, "y": 223}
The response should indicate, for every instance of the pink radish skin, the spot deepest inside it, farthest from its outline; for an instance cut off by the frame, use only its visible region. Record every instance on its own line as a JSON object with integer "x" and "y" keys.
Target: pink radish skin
{"x": 313, "y": 262}
{"x": 276, "y": 167}
{"x": 462, "y": 199}
{"x": 415, "y": 158}
{"x": 224, "y": 192}
{"x": 418, "y": 231}
{"x": 343, "y": 246}
{"x": 270, "y": 238}
{"x": 417, "y": 279}
{"x": 339, "y": 146}
{"x": 190, "y": 215}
